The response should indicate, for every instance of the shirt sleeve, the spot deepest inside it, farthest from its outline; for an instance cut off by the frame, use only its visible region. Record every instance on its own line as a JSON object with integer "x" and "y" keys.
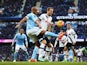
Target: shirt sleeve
{"x": 28, "y": 16}
{"x": 32, "y": 17}
{"x": 41, "y": 16}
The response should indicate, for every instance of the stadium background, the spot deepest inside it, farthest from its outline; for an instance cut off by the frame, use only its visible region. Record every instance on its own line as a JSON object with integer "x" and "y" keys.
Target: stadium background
{"x": 12, "y": 11}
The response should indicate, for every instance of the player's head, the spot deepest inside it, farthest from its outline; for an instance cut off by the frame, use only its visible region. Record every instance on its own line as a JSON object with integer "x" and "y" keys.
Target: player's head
{"x": 21, "y": 30}
{"x": 34, "y": 10}
{"x": 68, "y": 25}
{"x": 62, "y": 32}
{"x": 50, "y": 11}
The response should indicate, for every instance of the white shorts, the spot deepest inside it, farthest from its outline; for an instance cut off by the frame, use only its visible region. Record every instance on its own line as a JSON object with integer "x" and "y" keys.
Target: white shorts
{"x": 33, "y": 33}
{"x": 70, "y": 57}
{"x": 20, "y": 47}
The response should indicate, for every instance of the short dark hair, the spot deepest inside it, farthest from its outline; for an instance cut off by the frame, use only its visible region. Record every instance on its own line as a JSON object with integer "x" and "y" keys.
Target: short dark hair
{"x": 49, "y": 8}
{"x": 20, "y": 29}
{"x": 68, "y": 23}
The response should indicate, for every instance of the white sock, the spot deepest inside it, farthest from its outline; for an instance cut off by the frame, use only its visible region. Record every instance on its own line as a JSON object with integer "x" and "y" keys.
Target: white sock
{"x": 47, "y": 55}
{"x": 41, "y": 50}
{"x": 48, "y": 48}
{"x": 42, "y": 45}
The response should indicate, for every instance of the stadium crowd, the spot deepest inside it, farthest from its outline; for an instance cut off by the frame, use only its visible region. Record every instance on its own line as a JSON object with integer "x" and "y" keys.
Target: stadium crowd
{"x": 61, "y": 7}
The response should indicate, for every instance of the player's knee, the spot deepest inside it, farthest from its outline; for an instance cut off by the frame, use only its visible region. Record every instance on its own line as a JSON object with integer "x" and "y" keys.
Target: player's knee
{"x": 37, "y": 44}
{"x": 43, "y": 32}
{"x": 50, "y": 44}
{"x": 44, "y": 41}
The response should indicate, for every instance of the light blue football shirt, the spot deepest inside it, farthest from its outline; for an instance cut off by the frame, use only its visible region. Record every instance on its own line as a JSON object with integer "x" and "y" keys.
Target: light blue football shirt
{"x": 31, "y": 21}
{"x": 20, "y": 38}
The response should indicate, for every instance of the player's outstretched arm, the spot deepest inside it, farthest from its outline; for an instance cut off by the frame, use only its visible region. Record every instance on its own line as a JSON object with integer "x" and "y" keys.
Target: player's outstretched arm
{"x": 21, "y": 22}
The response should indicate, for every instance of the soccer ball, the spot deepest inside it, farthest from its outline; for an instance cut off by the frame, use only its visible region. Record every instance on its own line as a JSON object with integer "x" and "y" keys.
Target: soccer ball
{"x": 60, "y": 23}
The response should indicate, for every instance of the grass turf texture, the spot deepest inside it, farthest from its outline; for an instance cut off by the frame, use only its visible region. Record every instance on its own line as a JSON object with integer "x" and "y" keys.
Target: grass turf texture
{"x": 43, "y": 63}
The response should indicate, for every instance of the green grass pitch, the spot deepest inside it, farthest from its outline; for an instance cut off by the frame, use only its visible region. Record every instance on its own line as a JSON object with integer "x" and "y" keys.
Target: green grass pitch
{"x": 43, "y": 63}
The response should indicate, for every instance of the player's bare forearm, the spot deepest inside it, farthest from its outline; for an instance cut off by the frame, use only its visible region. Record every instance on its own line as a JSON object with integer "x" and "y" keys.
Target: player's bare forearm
{"x": 38, "y": 22}
{"x": 49, "y": 28}
{"x": 21, "y": 22}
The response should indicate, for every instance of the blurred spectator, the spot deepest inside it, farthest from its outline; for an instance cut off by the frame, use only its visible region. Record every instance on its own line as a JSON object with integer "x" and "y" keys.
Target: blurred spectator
{"x": 1, "y": 12}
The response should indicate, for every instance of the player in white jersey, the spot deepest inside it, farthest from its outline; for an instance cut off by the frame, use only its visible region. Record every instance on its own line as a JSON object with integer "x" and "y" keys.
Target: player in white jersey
{"x": 46, "y": 23}
{"x": 62, "y": 41}
{"x": 71, "y": 35}
{"x": 46, "y": 20}
{"x": 79, "y": 53}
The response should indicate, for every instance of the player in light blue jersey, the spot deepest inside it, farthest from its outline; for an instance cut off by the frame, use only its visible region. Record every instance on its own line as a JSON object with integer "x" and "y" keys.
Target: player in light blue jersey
{"x": 19, "y": 39}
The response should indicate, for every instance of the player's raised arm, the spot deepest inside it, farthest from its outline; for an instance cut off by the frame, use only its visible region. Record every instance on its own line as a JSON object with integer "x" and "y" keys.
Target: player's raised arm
{"x": 21, "y": 22}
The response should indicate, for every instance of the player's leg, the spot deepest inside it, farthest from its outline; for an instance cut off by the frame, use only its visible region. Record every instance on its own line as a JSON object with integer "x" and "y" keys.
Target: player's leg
{"x": 35, "y": 39}
{"x": 44, "y": 42}
{"x": 41, "y": 50}
{"x": 47, "y": 33}
{"x": 61, "y": 49}
{"x": 70, "y": 59}
{"x": 69, "y": 45}
{"x": 81, "y": 59}
{"x": 33, "y": 33}
{"x": 35, "y": 52}
{"x": 16, "y": 52}
{"x": 25, "y": 49}
{"x": 38, "y": 32}
{"x": 78, "y": 58}
{"x": 48, "y": 51}
{"x": 42, "y": 46}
